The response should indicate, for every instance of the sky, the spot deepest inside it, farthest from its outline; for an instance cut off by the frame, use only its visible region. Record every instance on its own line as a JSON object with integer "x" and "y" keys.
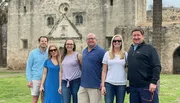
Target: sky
{"x": 166, "y": 3}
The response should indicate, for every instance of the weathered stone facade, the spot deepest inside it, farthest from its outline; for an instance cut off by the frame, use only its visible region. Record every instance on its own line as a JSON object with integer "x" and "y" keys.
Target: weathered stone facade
{"x": 170, "y": 53}
{"x": 169, "y": 14}
{"x": 28, "y": 19}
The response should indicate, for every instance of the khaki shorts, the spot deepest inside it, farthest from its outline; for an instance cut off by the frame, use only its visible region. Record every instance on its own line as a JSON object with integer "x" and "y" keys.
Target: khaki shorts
{"x": 35, "y": 87}
{"x": 89, "y": 95}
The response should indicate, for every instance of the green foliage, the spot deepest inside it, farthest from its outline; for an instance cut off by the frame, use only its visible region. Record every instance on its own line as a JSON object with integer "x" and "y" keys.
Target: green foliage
{"x": 14, "y": 89}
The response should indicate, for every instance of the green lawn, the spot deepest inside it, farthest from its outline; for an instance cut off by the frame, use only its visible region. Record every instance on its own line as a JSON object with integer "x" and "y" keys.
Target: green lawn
{"x": 14, "y": 89}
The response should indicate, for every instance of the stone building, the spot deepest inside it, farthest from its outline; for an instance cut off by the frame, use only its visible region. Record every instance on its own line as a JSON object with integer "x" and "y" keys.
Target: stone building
{"x": 61, "y": 19}
{"x": 169, "y": 14}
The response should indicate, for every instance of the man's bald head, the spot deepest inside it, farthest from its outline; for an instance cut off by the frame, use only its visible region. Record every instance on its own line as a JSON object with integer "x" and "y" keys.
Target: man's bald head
{"x": 91, "y": 40}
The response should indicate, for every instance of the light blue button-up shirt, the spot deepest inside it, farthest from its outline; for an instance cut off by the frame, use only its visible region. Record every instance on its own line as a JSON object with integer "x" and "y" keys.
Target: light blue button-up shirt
{"x": 34, "y": 66}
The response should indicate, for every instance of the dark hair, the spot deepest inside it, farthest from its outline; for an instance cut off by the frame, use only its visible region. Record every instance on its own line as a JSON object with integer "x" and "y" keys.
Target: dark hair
{"x": 65, "y": 49}
{"x": 39, "y": 39}
{"x": 138, "y": 29}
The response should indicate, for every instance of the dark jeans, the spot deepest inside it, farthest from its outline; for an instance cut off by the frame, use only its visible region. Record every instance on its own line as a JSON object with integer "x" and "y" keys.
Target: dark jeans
{"x": 71, "y": 90}
{"x": 115, "y": 90}
{"x": 142, "y": 95}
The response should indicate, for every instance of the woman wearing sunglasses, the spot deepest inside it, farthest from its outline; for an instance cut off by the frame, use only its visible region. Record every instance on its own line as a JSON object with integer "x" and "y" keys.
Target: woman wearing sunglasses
{"x": 50, "y": 79}
{"x": 70, "y": 73}
{"x": 113, "y": 74}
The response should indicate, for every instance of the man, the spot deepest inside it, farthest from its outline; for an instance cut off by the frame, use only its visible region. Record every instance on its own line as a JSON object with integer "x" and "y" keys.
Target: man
{"x": 34, "y": 67}
{"x": 92, "y": 56}
{"x": 143, "y": 70}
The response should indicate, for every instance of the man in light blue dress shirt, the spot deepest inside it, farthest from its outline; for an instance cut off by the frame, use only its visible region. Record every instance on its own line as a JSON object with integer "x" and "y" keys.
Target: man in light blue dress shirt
{"x": 34, "y": 67}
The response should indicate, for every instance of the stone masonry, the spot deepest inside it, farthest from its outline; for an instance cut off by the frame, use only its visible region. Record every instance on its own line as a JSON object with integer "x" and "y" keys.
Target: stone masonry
{"x": 61, "y": 19}
{"x": 28, "y": 19}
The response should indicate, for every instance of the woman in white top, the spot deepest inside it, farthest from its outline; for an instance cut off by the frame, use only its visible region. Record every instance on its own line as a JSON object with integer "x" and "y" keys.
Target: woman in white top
{"x": 113, "y": 74}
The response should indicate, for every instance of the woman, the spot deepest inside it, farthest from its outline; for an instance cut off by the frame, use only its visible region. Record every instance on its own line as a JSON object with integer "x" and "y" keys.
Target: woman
{"x": 70, "y": 73}
{"x": 113, "y": 74}
{"x": 50, "y": 78}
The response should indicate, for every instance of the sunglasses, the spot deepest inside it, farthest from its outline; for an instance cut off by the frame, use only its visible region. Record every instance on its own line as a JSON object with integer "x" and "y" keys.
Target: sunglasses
{"x": 114, "y": 41}
{"x": 53, "y": 50}
{"x": 151, "y": 99}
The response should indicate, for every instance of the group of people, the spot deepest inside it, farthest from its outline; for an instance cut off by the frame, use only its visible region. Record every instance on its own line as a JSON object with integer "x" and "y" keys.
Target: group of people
{"x": 86, "y": 77}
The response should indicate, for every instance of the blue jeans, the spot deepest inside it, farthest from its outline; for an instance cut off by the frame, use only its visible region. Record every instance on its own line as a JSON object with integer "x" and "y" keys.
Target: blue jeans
{"x": 142, "y": 95}
{"x": 115, "y": 90}
{"x": 71, "y": 90}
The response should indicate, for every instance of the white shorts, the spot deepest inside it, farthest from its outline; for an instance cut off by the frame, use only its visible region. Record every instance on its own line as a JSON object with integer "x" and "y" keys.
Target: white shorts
{"x": 35, "y": 87}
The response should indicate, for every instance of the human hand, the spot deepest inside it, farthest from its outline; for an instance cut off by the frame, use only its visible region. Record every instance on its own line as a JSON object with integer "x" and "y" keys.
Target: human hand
{"x": 41, "y": 89}
{"x": 29, "y": 84}
{"x": 59, "y": 90}
{"x": 152, "y": 87}
{"x": 103, "y": 90}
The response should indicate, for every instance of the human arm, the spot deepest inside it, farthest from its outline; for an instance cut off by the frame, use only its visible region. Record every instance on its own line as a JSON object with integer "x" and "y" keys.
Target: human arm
{"x": 103, "y": 77}
{"x": 156, "y": 69}
{"x": 60, "y": 80}
{"x": 104, "y": 73}
{"x": 29, "y": 70}
{"x": 156, "y": 66}
{"x": 80, "y": 58}
{"x": 43, "y": 79}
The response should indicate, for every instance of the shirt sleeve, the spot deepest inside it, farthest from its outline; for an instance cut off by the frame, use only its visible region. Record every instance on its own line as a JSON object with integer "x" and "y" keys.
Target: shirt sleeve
{"x": 103, "y": 51}
{"x": 105, "y": 58}
{"x": 29, "y": 67}
{"x": 156, "y": 66}
{"x": 45, "y": 63}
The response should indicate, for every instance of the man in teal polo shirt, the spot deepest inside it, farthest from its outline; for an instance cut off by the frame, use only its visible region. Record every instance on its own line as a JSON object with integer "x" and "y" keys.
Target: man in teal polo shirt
{"x": 34, "y": 67}
{"x": 92, "y": 56}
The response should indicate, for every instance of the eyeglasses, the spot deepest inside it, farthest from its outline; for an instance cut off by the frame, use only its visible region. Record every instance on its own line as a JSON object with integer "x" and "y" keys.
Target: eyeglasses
{"x": 114, "y": 41}
{"x": 53, "y": 50}
{"x": 152, "y": 96}
{"x": 69, "y": 44}
{"x": 91, "y": 38}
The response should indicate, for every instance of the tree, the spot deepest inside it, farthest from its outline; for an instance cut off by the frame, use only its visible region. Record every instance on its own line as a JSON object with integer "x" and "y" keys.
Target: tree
{"x": 3, "y": 20}
{"x": 157, "y": 24}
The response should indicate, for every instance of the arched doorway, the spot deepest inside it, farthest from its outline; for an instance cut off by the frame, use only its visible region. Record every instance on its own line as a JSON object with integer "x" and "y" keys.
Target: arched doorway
{"x": 176, "y": 61}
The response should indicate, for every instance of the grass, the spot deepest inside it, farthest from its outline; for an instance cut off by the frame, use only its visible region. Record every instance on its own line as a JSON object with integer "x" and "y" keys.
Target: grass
{"x": 14, "y": 89}
{"x": 3, "y": 73}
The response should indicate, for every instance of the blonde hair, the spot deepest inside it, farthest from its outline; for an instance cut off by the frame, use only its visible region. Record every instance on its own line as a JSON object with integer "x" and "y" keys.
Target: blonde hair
{"x": 111, "y": 49}
{"x": 58, "y": 53}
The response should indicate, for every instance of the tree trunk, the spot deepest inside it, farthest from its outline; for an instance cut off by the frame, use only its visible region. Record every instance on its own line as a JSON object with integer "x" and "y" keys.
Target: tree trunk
{"x": 157, "y": 24}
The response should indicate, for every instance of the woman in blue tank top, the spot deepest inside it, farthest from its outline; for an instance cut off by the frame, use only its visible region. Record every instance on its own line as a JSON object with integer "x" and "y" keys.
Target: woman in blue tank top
{"x": 70, "y": 73}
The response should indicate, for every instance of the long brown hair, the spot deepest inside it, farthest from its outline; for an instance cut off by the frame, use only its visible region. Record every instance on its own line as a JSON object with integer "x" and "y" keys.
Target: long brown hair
{"x": 65, "y": 49}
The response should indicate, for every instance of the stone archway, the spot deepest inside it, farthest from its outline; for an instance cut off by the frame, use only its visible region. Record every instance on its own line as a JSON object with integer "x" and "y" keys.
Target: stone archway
{"x": 176, "y": 61}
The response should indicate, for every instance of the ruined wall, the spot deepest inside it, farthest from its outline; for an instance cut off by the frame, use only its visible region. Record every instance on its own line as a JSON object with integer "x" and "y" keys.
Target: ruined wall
{"x": 169, "y": 14}
{"x": 170, "y": 43}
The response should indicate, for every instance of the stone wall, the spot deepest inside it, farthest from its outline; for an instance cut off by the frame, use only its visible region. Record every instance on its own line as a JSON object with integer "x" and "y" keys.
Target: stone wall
{"x": 27, "y": 20}
{"x": 169, "y": 14}
{"x": 170, "y": 43}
